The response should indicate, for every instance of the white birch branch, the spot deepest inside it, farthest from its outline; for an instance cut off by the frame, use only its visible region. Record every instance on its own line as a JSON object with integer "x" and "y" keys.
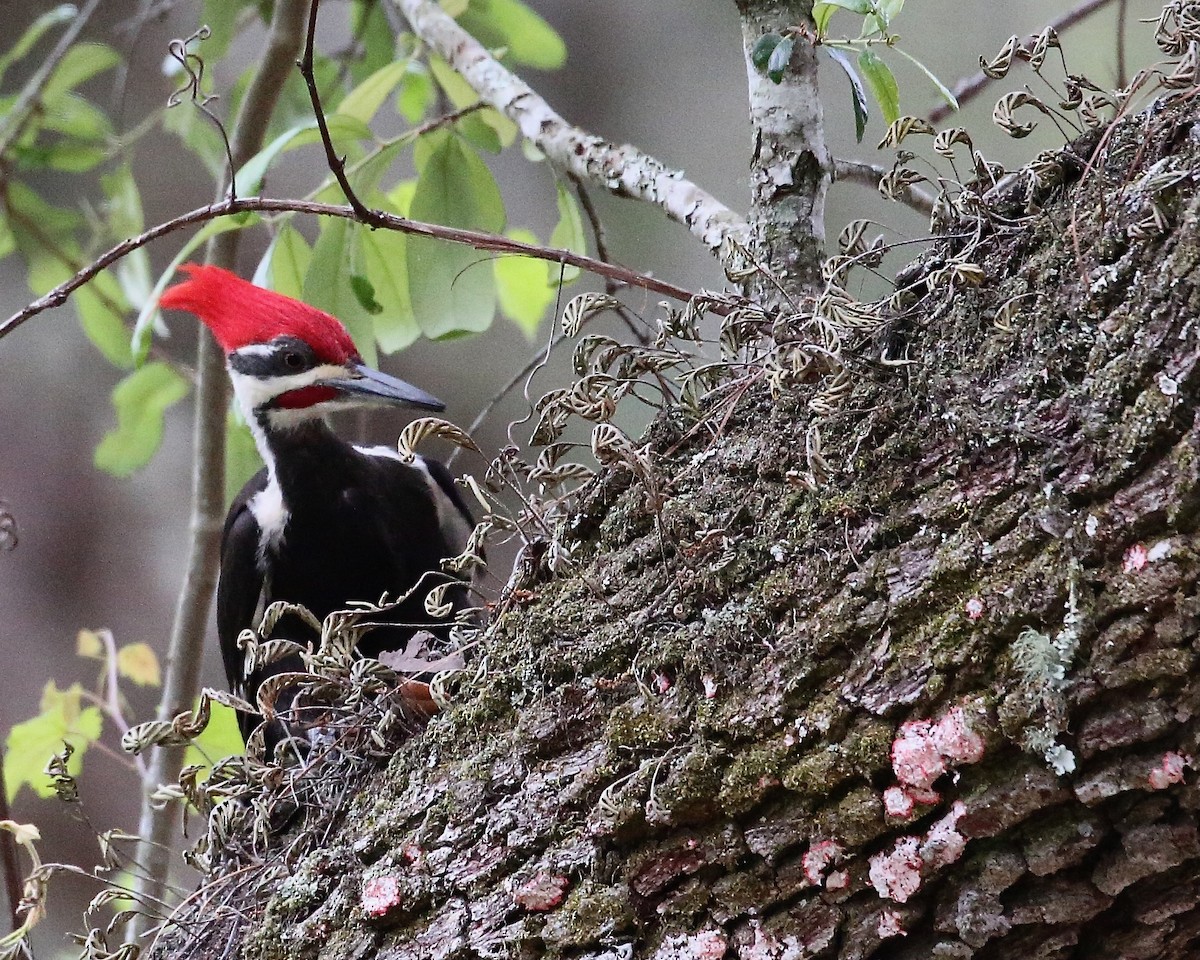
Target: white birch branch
{"x": 621, "y": 169}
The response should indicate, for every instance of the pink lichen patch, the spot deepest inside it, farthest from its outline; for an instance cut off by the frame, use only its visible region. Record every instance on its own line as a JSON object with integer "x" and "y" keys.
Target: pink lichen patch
{"x": 710, "y": 686}
{"x": 916, "y": 758}
{"x": 1170, "y": 770}
{"x": 920, "y": 795}
{"x": 896, "y": 874}
{"x": 975, "y": 608}
{"x": 837, "y": 880}
{"x": 819, "y": 858}
{"x": 897, "y": 803}
{"x": 890, "y": 925}
{"x": 544, "y": 892}
{"x": 412, "y": 852}
{"x": 380, "y": 896}
{"x": 943, "y": 844}
{"x": 955, "y": 739}
{"x": 1136, "y": 558}
{"x": 705, "y": 945}
{"x": 662, "y": 682}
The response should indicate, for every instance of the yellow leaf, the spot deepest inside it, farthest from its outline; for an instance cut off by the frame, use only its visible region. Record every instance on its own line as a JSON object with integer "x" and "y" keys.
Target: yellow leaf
{"x": 89, "y": 644}
{"x": 137, "y": 662}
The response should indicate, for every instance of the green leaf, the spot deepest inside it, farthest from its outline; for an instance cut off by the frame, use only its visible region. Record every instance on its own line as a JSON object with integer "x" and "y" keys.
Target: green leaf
{"x": 336, "y": 258}
{"x": 858, "y": 95}
{"x": 825, "y": 9}
{"x": 568, "y": 235}
{"x": 124, "y": 218}
{"x": 417, "y": 92}
{"x": 942, "y": 89}
{"x": 475, "y": 129}
{"x": 241, "y": 455}
{"x": 401, "y": 197}
{"x": 32, "y": 743}
{"x": 221, "y": 18}
{"x": 364, "y": 101}
{"x": 781, "y": 57}
{"x": 452, "y": 286}
{"x": 385, "y": 256}
{"x": 287, "y": 260}
{"x": 100, "y": 306}
{"x": 760, "y": 55}
{"x": 528, "y": 39}
{"x": 882, "y": 85}
{"x": 522, "y": 288}
{"x": 82, "y": 62}
{"x": 375, "y": 35}
{"x": 218, "y": 740}
{"x": 67, "y": 156}
{"x": 889, "y": 9}
{"x": 141, "y": 399}
{"x": 73, "y": 116}
{"x": 345, "y": 132}
{"x": 34, "y": 32}
{"x": 364, "y": 292}
{"x": 461, "y": 94}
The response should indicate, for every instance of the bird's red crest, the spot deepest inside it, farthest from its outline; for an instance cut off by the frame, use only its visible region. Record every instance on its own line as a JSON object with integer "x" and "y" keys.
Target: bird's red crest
{"x": 240, "y": 313}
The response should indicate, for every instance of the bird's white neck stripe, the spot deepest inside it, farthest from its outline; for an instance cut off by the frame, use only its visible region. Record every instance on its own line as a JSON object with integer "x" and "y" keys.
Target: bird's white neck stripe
{"x": 267, "y": 506}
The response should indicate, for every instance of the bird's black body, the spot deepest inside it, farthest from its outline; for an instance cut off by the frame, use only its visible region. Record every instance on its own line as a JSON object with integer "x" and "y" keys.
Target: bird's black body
{"x": 325, "y": 523}
{"x": 353, "y": 526}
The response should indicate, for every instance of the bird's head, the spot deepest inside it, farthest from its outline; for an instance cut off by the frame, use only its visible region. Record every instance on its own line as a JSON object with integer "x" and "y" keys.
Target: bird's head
{"x": 287, "y": 360}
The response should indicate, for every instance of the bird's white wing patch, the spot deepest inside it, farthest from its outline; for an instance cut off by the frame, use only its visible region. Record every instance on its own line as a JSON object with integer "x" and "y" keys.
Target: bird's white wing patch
{"x": 271, "y": 514}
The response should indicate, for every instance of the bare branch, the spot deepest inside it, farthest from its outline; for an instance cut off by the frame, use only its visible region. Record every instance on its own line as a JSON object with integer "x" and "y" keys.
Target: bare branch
{"x": 229, "y": 207}
{"x": 869, "y": 175}
{"x": 621, "y": 169}
{"x": 970, "y": 87}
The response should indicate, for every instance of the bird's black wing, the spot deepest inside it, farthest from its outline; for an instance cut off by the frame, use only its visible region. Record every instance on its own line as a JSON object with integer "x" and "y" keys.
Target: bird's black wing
{"x": 441, "y": 476}
{"x": 240, "y": 588}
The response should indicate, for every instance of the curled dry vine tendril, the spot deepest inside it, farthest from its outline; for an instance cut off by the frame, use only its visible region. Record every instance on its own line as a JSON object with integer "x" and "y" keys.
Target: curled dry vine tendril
{"x": 192, "y": 65}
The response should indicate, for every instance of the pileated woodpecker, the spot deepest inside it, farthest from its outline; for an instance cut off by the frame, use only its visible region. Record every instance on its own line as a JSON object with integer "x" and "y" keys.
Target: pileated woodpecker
{"x": 324, "y": 522}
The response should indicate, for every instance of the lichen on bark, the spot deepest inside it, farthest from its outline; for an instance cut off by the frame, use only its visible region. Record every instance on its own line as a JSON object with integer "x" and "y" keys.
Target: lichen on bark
{"x": 684, "y": 750}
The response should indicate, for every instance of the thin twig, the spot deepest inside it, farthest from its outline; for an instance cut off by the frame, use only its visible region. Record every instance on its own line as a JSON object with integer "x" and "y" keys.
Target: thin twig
{"x": 970, "y": 87}
{"x": 1122, "y": 68}
{"x": 336, "y": 164}
{"x": 869, "y": 175}
{"x": 387, "y": 221}
{"x": 8, "y": 858}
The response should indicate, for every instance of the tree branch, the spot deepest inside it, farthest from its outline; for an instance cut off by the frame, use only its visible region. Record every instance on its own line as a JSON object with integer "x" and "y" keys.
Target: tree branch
{"x": 229, "y": 207}
{"x": 970, "y": 87}
{"x": 790, "y": 168}
{"x": 621, "y": 169}
{"x": 157, "y": 827}
{"x": 869, "y": 175}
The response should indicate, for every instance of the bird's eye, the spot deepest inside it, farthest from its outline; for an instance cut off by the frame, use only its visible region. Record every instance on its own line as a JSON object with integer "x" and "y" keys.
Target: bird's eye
{"x": 293, "y": 360}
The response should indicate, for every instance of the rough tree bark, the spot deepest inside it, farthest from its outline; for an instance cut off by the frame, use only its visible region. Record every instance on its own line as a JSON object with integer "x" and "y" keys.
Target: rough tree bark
{"x": 941, "y": 703}
{"x": 772, "y": 722}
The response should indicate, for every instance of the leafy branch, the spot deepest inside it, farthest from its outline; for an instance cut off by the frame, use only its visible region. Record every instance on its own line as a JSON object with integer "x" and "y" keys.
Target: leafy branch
{"x": 621, "y": 169}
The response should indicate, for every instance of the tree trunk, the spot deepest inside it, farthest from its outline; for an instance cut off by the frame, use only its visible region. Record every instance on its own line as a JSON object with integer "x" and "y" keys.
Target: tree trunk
{"x": 944, "y": 705}
{"x": 768, "y": 721}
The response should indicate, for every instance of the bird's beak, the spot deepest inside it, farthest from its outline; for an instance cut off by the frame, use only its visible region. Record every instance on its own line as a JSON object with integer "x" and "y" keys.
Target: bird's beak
{"x": 378, "y": 387}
